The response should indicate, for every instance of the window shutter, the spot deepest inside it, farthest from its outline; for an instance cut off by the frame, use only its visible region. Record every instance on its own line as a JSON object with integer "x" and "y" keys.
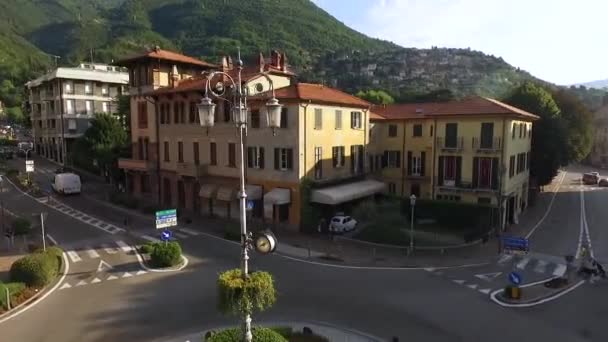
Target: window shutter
{"x": 409, "y": 162}
{"x": 475, "y": 172}
{"x": 334, "y": 156}
{"x": 277, "y": 156}
{"x": 261, "y": 151}
{"x": 352, "y": 159}
{"x": 284, "y": 123}
{"x": 458, "y": 169}
{"x": 352, "y": 119}
{"x": 289, "y": 158}
{"x": 250, "y": 157}
{"x": 440, "y": 171}
{"x": 385, "y": 159}
{"x": 422, "y": 162}
{"x": 495, "y": 171}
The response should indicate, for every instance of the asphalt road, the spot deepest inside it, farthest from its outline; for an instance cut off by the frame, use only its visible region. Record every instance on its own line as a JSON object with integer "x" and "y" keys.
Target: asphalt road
{"x": 416, "y": 305}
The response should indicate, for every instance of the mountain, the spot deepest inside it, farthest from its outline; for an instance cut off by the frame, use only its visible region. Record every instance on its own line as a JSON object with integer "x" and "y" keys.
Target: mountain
{"x": 318, "y": 46}
{"x": 599, "y": 84}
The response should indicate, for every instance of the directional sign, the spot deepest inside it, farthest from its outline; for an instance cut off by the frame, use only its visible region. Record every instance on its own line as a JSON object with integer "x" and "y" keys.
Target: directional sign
{"x": 488, "y": 276}
{"x": 29, "y": 166}
{"x": 165, "y": 235}
{"x": 249, "y": 205}
{"x": 516, "y": 243}
{"x": 515, "y": 278}
{"x": 166, "y": 218}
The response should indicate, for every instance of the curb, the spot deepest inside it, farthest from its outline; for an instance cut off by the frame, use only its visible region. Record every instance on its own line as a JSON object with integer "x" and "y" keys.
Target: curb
{"x": 142, "y": 263}
{"x": 494, "y": 296}
{"x": 23, "y": 307}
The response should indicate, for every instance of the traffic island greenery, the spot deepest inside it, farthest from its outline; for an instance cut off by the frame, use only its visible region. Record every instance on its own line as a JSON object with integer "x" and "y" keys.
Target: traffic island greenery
{"x": 37, "y": 269}
{"x": 260, "y": 334}
{"x": 238, "y": 296}
{"x": 163, "y": 254}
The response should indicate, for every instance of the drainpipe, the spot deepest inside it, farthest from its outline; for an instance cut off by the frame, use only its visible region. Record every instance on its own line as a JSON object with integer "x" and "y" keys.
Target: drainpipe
{"x": 434, "y": 146}
{"x": 63, "y": 142}
{"x": 404, "y": 154}
{"x": 305, "y": 106}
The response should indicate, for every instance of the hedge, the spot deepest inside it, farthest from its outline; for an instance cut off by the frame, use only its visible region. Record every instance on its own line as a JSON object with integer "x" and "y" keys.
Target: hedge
{"x": 459, "y": 216}
{"x": 238, "y": 296}
{"x": 147, "y": 248}
{"x": 260, "y": 334}
{"x": 37, "y": 269}
{"x": 166, "y": 254}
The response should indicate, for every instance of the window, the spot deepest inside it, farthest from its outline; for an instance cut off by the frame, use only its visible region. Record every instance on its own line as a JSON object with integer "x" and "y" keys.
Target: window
{"x": 105, "y": 107}
{"x": 318, "y": 163}
{"x": 176, "y": 113}
{"x": 417, "y": 130}
{"x": 392, "y": 130}
{"x": 511, "y": 166}
{"x": 180, "y": 151}
{"x": 231, "y": 154}
{"x": 521, "y": 130}
{"x": 415, "y": 166}
{"x": 166, "y": 148}
{"x": 88, "y": 105}
{"x": 525, "y": 130}
{"x": 513, "y": 131}
{"x": 104, "y": 90}
{"x": 485, "y": 173}
{"x": 284, "y": 118}
{"x": 392, "y": 188}
{"x": 255, "y": 118}
{"x": 415, "y": 189}
{"x": 182, "y": 112}
{"x": 142, "y": 115}
{"x": 192, "y": 113}
{"x": 451, "y": 135}
{"x": 69, "y": 106}
{"x": 337, "y": 153}
{"x": 318, "y": 118}
{"x": 338, "y": 119}
{"x": 88, "y": 88}
{"x": 449, "y": 170}
{"x": 226, "y": 106}
{"x": 393, "y": 158}
{"x": 212, "y": 153}
{"x": 355, "y": 120}
{"x": 255, "y": 157}
{"x": 431, "y": 130}
{"x": 195, "y": 153}
{"x": 356, "y": 159}
{"x": 487, "y": 135}
{"x": 69, "y": 88}
{"x": 283, "y": 158}
{"x": 144, "y": 154}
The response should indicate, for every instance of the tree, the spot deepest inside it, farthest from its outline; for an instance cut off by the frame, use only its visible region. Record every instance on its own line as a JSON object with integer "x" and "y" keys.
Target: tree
{"x": 579, "y": 124}
{"x": 439, "y": 95}
{"x": 379, "y": 97}
{"x": 549, "y": 134}
{"x": 15, "y": 115}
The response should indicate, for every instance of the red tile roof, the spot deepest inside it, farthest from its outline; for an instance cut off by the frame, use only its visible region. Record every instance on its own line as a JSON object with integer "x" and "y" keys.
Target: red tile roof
{"x": 168, "y": 56}
{"x": 470, "y": 106}
{"x": 317, "y": 93}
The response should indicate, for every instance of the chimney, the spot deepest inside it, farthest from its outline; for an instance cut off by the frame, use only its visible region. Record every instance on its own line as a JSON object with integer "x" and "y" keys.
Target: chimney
{"x": 226, "y": 63}
{"x": 175, "y": 76}
{"x": 283, "y": 66}
{"x": 275, "y": 59}
{"x": 261, "y": 62}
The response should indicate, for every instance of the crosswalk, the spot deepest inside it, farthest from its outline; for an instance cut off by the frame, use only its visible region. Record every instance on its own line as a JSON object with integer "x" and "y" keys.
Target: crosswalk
{"x": 537, "y": 263}
{"x": 79, "y": 215}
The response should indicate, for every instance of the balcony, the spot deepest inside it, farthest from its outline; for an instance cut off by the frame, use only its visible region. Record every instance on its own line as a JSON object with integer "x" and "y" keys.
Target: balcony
{"x": 450, "y": 145}
{"x": 135, "y": 164}
{"x": 456, "y": 186}
{"x": 191, "y": 170}
{"x": 492, "y": 146}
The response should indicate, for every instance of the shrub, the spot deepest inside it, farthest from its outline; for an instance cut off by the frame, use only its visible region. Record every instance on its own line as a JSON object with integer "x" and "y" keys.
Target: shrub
{"x": 21, "y": 226}
{"x": 166, "y": 254}
{"x": 238, "y": 296}
{"x": 51, "y": 251}
{"x": 36, "y": 270}
{"x": 260, "y": 334}
{"x": 14, "y": 289}
{"x": 148, "y": 248}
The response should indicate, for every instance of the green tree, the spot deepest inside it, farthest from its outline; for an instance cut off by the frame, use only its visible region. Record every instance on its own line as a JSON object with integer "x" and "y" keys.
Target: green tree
{"x": 15, "y": 115}
{"x": 549, "y": 135}
{"x": 379, "y": 97}
{"x": 439, "y": 95}
{"x": 579, "y": 124}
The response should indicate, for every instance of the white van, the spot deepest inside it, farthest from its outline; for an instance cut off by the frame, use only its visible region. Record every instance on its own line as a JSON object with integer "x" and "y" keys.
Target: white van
{"x": 66, "y": 183}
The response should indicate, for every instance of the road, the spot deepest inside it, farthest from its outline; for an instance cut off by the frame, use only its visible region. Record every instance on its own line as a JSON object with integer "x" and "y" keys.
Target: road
{"x": 417, "y": 305}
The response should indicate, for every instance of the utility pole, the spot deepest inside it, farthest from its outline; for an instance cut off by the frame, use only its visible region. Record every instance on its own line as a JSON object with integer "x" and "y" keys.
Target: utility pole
{"x": 43, "y": 233}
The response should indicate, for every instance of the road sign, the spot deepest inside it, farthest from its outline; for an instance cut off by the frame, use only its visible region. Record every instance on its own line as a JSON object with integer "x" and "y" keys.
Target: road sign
{"x": 514, "y": 243}
{"x": 29, "y": 166}
{"x": 166, "y": 218}
{"x": 515, "y": 278}
{"x": 166, "y": 235}
{"x": 249, "y": 205}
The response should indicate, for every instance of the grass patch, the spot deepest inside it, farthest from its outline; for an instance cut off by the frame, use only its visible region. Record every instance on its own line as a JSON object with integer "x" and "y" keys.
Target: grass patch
{"x": 15, "y": 289}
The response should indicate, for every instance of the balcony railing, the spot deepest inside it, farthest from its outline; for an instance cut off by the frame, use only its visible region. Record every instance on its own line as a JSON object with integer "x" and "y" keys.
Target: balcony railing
{"x": 191, "y": 170}
{"x": 135, "y": 164}
{"x": 494, "y": 145}
{"x": 453, "y": 145}
{"x": 457, "y": 186}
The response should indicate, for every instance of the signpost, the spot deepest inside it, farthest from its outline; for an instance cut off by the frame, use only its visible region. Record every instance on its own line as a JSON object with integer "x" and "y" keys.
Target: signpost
{"x": 29, "y": 167}
{"x": 166, "y": 218}
{"x": 166, "y": 235}
{"x": 515, "y": 244}
{"x": 515, "y": 278}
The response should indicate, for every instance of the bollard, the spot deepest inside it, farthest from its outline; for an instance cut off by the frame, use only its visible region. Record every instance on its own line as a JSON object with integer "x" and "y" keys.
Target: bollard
{"x": 8, "y": 298}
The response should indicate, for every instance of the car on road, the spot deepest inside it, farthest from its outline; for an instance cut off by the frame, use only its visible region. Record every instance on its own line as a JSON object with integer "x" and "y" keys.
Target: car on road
{"x": 340, "y": 224}
{"x": 603, "y": 182}
{"x": 591, "y": 178}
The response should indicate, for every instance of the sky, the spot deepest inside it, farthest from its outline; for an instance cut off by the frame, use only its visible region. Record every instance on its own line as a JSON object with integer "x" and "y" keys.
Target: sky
{"x": 560, "y": 41}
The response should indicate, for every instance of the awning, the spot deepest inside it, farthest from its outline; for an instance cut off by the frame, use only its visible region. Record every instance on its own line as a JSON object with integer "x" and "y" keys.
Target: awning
{"x": 346, "y": 192}
{"x": 254, "y": 192}
{"x": 225, "y": 194}
{"x": 207, "y": 190}
{"x": 278, "y": 196}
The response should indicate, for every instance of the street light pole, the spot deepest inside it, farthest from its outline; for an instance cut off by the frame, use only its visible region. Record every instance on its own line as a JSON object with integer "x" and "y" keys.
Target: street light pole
{"x": 412, "y": 205}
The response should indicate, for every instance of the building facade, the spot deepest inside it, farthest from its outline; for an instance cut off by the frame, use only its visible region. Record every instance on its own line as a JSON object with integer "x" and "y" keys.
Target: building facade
{"x": 476, "y": 150}
{"x": 64, "y": 101}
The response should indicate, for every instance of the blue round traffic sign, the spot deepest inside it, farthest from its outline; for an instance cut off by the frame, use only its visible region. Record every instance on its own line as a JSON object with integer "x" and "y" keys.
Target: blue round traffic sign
{"x": 165, "y": 235}
{"x": 515, "y": 278}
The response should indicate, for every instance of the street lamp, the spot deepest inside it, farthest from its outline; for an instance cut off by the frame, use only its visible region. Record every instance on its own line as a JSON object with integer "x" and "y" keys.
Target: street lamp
{"x": 264, "y": 242}
{"x": 412, "y": 205}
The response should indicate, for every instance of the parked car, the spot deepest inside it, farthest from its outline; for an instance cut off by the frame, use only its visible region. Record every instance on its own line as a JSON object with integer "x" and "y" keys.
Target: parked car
{"x": 66, "y": 183}
{"x": 341, "y": 224}
{"x": 591, "y": 178}
{"x": 603, "y": 182}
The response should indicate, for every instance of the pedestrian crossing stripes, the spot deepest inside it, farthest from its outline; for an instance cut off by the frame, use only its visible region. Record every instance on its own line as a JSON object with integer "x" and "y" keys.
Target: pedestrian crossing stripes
{"x": 149, "y": 238}
{"x": 74, "y": 256}
{"x": 124, "y": 246}
{"x": 93, "y": 253}
{"x": 105, "y": 226}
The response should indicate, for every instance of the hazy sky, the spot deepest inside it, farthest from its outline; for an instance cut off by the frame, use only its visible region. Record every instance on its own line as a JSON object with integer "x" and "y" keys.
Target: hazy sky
{"x": 561, "y": 41}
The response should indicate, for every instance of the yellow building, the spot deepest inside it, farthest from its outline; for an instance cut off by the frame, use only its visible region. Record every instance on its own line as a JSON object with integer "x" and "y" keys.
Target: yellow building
{"x": 475, "y": 150}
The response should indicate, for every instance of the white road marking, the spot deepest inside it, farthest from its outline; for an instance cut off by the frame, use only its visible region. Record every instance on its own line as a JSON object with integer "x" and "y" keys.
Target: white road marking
{"x": 429, "y": 269}
{"x": 548, "y": 208}
{"x": 190, "y": 231}
{"x": 540, "y": 267}
{"x": 81, "y": 283}
{"x": 124, "y": 246}
{"x": 459, "y": 282}
{"x": 472, "y": 286}
{"x": 522, "y": 264}
{"x": 95, "y": 281}
{"x": 559, "y": 271}
{"x": 108, "y": 249}
{"x": 73, "y": 256}
{"x": 126, "y": 275}
{"x": 488, "y": 276}
{"x": 140, "y": 272}
{"x": 149, "y": 238}
{"x": 180, "y": 235}
{"x": 112, "y": 277}
{"x": 102, "y": 264}
{"x": 485, "y": 291}
{"x": 92, "y": 253}
{"x": 527, "y": 305}
{"x": 65, "y": 286}
{"x": 505, "y": 258}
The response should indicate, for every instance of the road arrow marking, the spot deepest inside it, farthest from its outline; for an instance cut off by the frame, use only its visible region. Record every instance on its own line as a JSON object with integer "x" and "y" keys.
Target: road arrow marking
{"x": 472, "y": 286}
{"x": 459, "y": 282}
{"x": 112, "y": 277}
{"x": 127, "y": 275}
{"x": 65, "y": 286}
{"x": 140, "y": 272}
{"x": 101, "y": 264}
{"x": 95, "y": 281}
{"x": 124, "y": 246}
{"x": 485, "y": 291}
{"x": 488, "y": 276}
{"x": 82, "y": 282}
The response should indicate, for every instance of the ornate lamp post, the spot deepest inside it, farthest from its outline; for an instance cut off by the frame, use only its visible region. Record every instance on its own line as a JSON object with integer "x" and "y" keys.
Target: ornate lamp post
{"x": 264, "y": 242}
